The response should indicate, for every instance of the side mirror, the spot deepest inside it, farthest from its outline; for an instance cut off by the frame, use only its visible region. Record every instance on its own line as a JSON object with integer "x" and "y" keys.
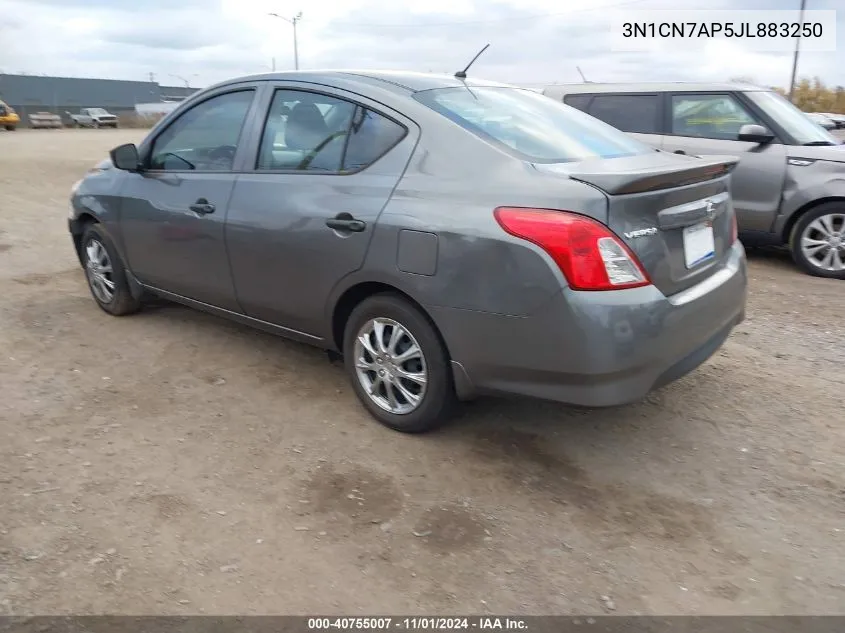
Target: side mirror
{"x": 755, "y": 134}
{"x": 125, "y": 157}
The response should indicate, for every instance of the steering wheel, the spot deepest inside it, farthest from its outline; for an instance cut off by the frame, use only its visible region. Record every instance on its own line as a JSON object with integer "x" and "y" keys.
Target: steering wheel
{"x": 313, "y": 153}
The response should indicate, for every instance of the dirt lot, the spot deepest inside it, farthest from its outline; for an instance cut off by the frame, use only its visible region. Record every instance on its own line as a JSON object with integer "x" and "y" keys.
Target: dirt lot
{"x": 171, "y": 462}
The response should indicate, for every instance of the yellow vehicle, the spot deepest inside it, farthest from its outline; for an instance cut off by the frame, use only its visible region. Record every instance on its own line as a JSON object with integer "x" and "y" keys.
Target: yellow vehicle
{"x": 9, "y": 119}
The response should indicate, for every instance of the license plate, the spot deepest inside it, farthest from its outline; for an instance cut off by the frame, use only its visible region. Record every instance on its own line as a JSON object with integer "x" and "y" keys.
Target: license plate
{"x": 698, "y": 244}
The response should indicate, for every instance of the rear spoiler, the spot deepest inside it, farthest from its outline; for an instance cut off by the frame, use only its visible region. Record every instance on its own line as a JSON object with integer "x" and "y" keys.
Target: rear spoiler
{"x": 661, "y": 174}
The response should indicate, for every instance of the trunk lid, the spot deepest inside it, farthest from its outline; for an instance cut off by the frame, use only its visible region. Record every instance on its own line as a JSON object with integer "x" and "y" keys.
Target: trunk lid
{"x": 673, "y": 212}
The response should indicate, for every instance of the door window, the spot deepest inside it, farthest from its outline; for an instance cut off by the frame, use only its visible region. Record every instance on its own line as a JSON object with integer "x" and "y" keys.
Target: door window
{"x": 629, "y": 113}
{"x": 307, "y": 131}
{"x": 205, "y": 137}
{"x": 716, "y": 116}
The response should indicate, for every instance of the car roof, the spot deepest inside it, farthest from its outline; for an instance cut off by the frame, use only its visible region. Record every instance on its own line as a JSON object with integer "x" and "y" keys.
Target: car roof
{"x": 679, "y": 86}
{"x": 407, "y": 81}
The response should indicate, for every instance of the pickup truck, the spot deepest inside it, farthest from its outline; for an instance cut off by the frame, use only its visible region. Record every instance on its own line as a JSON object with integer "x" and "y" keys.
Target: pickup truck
{"x": 93, "y": 117}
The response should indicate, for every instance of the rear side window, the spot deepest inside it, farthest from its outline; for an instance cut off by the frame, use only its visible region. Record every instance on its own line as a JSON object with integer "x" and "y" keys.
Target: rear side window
{"x": 578, "y": 101}
{"x": 372, "y": 135}
{"x": 629, "y": 113}
{"x": 530, "y": 125}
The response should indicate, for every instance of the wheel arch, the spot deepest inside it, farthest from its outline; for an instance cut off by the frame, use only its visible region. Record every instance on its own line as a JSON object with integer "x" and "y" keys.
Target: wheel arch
{"x": 789, "y": 225}
{"x": 358, "y": 292}
{"x": 77, "y": 229}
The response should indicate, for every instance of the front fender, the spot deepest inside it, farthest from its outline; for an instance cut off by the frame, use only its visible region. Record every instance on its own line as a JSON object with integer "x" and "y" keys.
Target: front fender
{"x": 825, "y": 181}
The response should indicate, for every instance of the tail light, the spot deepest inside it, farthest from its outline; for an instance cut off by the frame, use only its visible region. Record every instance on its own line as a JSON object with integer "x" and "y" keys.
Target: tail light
{"x": 590, "y": 256}
{"x": 734, "y": 228}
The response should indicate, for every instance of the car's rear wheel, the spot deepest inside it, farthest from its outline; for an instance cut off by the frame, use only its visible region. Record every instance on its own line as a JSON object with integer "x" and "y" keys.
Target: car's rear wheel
{"x": 105, "y": 273}
{"x": 818, "y": 241}
{"x": 11, "y": 128}
{"x": 398, "y": 365}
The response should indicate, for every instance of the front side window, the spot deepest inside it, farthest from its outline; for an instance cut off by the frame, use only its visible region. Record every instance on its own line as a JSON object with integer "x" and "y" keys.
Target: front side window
{"x": 791, "y": 119}
{"x": 629, "y": 113}
{"x": 716, "y": 116}
{"x": 205, "y": 137}
{"x": 530, "y": 125}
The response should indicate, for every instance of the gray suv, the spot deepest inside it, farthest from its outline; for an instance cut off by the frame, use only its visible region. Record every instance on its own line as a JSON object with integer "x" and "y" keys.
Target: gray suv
{"x": 789, "y": 185}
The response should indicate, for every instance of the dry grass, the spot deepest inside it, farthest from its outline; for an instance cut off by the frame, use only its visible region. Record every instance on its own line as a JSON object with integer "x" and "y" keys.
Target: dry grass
{"x": 138, "y": 122}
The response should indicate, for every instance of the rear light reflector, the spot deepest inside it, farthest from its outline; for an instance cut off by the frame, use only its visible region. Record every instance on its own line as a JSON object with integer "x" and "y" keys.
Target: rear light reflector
{"x": 589, "y": 255}
{"x": 734, "y": 228}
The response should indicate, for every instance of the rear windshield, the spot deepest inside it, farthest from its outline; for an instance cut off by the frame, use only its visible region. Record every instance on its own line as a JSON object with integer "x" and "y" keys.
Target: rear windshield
{"x": 531, "y": 125}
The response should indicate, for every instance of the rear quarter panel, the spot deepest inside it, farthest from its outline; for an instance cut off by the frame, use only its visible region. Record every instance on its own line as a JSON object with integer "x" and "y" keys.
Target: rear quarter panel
{"x": 452, "y": 186}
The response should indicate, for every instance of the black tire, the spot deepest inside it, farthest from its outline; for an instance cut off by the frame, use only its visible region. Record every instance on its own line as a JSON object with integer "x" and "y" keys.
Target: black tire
{"x": 801, "y": 228}
{"x": 439, "y": 399}
{"x": 11, "y": 128}
{"x": 122, "y": 302}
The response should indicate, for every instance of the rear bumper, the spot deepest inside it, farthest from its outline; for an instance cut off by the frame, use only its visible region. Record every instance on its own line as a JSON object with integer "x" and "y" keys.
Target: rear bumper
{"x": 597, "y": 348}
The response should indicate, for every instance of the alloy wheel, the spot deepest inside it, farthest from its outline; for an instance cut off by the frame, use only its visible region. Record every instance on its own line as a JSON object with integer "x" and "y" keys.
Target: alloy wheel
{"x": 390, "y": 366}
{"x": 98, "y": 268}
{"x": 823, "y": 242}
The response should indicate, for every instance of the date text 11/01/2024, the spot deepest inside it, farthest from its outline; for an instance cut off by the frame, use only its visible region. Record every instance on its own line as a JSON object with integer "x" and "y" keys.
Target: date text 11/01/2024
{"x": 416, "y": 623}
{"x": 723, "y": 29}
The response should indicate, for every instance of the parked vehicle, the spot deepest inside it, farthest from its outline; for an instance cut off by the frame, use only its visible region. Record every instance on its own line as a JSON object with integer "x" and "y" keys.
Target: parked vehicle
{"x": 45, "y": 120}
{"x": 9, "y": 119}
{"x": 446, "y": 237}
{"x": 822, "y": 119}
{"x": 838, "y": 119}
{"x": 93, "y": 117}
{"x": 788, "y": 187}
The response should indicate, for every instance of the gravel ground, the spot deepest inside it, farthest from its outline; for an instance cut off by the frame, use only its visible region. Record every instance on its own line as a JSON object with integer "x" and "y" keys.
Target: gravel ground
{"x": 174, "y": 463}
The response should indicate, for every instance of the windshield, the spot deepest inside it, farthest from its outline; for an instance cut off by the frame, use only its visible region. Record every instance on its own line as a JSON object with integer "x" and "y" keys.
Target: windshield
{"x": 96, "y": 111}
{"x": 531, "y": 125}
{"x": 801, "y": 128}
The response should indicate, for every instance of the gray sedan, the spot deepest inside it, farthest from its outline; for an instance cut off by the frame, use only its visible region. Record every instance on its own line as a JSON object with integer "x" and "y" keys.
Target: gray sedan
{"x": 448, "y": 237}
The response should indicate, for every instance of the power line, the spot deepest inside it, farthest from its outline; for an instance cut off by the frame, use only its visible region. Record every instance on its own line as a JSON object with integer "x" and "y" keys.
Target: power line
{"x": 492, "y": 20}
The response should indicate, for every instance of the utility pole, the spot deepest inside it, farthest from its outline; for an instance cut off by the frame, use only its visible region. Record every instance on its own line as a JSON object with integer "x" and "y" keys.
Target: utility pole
{"x": 152, "y": 78}
{"x": 187, "y": 83}
{"x": 292, "y": 21}
{"x": 797, "y": 48}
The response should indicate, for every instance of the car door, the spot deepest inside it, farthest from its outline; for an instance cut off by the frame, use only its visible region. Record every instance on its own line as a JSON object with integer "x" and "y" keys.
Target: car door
{"x": 302, "y": 216}
{"x": 638, "y": 114}
{"x": 709, "y": 123}
{"x": 173, "y": 211}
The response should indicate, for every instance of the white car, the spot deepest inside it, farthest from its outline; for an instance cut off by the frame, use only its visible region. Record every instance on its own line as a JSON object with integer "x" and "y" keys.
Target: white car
{"x": 822, "y": 120}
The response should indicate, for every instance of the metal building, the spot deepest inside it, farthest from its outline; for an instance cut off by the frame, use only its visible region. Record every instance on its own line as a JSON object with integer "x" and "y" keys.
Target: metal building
{"x": 33, "y": 93}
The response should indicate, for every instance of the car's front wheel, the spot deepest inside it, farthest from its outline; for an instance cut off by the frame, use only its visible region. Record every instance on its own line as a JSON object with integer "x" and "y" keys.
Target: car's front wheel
{"x": 11, "y": 128}
{"x": 398, "y": 365}
{"x": 818, "y": 241}
{"x": 105, "y": 273}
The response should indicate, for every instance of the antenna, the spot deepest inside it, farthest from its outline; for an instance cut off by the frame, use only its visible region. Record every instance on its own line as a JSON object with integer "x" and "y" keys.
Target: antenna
{"x": 462, "y": 74}
{"x": 583, "y": 78}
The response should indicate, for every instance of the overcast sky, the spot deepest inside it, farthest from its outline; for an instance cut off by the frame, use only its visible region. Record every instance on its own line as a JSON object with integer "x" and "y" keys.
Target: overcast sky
{"x": 532, "y": 41}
